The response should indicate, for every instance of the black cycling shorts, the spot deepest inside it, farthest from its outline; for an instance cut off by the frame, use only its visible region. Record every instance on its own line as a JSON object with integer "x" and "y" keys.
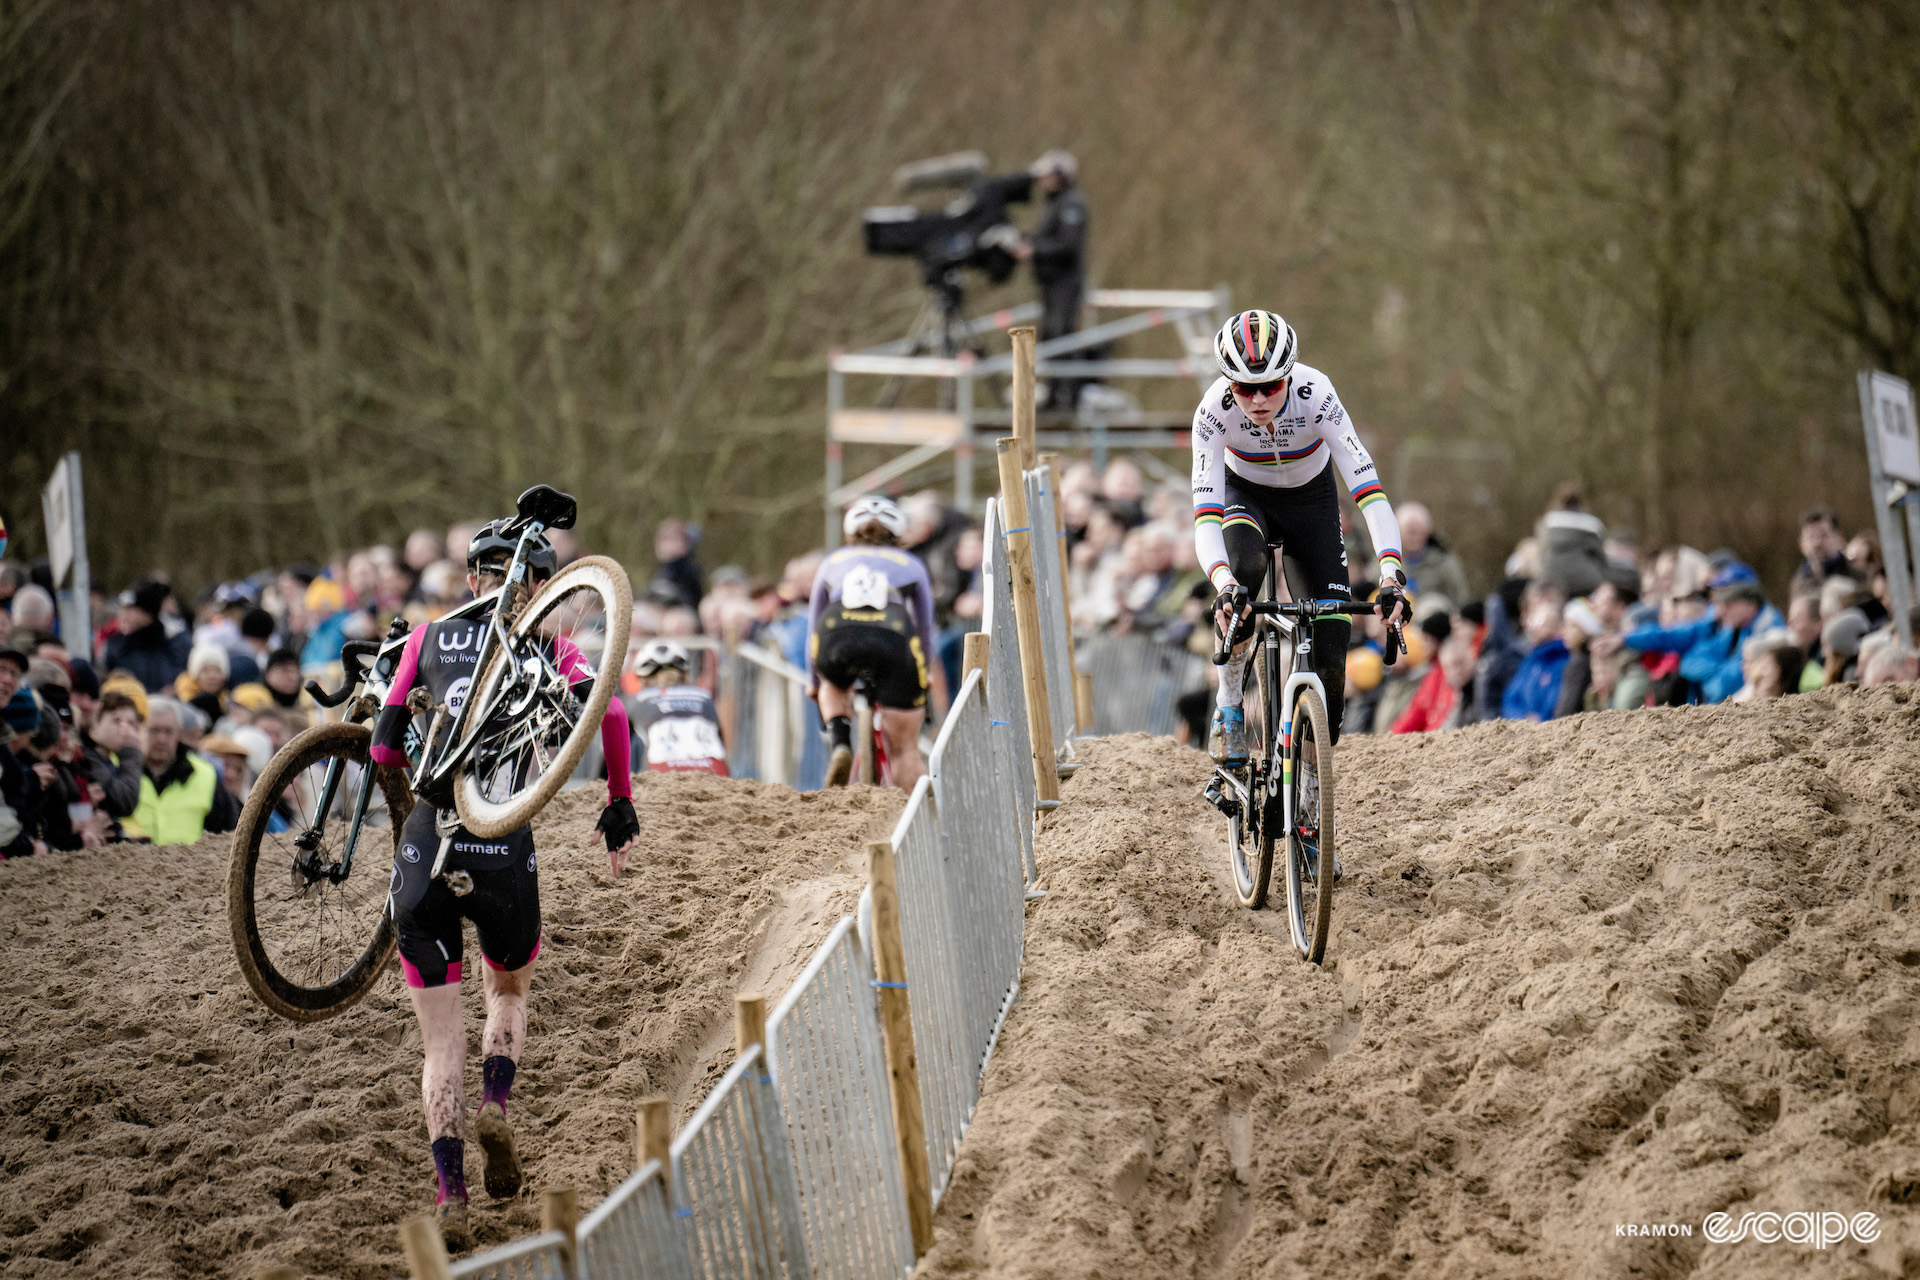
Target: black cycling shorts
{"x": 888, "y": 657}
{"x": 504, "y": 905}
{"x": 1305, "y": 521}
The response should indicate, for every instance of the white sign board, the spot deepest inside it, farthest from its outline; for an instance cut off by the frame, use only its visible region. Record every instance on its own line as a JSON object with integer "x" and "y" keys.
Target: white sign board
{"x": 57, "y": 505}
{"x": 1893, "y": 423}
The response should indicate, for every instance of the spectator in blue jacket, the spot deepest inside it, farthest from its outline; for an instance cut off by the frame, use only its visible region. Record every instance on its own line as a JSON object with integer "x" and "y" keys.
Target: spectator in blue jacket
{"x": 1535, "y": 685}
{"x": 1710, "y": 649}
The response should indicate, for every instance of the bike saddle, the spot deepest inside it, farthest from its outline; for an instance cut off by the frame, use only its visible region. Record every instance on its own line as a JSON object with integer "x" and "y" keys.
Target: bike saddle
{"x": 552, "y": 508}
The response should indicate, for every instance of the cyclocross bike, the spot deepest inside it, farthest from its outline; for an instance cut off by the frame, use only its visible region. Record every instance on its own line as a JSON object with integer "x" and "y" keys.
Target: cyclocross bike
{"x": 1285, "y": 791}
{"x": 307, "y": 905}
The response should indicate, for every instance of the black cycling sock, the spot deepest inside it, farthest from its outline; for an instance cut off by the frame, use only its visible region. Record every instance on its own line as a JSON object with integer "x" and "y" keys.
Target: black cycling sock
{"x": 496, "y": 1080}
{"x": 450, "y": 1162}
{"x": 840, "y": 732}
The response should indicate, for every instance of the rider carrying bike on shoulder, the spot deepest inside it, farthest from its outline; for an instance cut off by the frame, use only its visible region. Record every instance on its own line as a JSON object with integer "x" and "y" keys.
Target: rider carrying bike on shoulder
{"x": 1268, "y": 437}
{"x": 493, "y": 883}
{"x": 872, "y": 616}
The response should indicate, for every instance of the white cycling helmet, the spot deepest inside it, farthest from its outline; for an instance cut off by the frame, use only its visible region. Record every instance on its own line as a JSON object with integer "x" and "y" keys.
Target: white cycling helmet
{"x": 870, "y": 509}
{"x": 1255, "y": 346}
{"x": 659, "y": 654}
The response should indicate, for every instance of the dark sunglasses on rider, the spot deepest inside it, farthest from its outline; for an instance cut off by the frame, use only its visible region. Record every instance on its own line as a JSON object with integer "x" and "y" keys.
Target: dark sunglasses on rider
{"x": 1252, "y": 389}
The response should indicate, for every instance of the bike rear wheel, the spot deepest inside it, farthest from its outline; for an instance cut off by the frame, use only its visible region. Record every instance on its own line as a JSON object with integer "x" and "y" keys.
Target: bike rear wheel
{"x": 1309, "y": 861}
{"x": 311, "y": 940}
{"x": 532, "y": 731}
{"x": 1249, "y": 838}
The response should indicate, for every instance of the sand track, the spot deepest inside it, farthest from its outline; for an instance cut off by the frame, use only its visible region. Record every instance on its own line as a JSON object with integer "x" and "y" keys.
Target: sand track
{"x": 156, "y": 1121}
{"x": 1622, "y": 969}
{"x": 1631, "y": 968}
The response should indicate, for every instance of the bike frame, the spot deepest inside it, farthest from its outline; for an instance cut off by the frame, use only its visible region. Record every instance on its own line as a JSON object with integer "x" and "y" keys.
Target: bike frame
{"x": 463, "y": 731}
{"x": 1287, "y": 643}
{"x": 336, "y": 769}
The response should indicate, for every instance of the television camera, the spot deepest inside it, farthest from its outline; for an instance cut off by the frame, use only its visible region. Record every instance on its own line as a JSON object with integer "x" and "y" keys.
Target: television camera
{"x": 971, "y": 231}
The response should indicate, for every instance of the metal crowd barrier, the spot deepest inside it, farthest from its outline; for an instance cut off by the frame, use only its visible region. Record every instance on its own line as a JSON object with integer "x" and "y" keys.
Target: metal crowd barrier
{"x": 632, "y": 1235}
{"x": 1136, "y": 680}
{"x": 961, "y": 922}
{"x": 733, "y": 1175}
{"x": 1006, "y": 694}
{"x": 830, "y": 1070}
{"x": 541, "y": 1257}
{"x": 1056, "y": 644}
{"x": 772, "y": 716}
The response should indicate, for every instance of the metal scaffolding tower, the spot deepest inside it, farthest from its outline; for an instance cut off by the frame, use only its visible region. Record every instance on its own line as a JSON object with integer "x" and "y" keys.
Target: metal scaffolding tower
{"x": 973, "y": 418}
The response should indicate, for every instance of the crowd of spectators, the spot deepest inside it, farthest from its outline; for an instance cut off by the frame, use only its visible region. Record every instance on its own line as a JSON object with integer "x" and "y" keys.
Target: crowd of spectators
{"x": 1582, "y": 619}
{"x": 155, "y": 727}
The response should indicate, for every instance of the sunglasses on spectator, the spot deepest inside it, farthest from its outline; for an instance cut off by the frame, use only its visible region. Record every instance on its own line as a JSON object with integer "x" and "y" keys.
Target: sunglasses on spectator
{"x": 1252, "y": 389}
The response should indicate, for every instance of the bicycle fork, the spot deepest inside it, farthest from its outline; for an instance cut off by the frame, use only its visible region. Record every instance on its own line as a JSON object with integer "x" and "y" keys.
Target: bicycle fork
{"x": 308, "y": 841}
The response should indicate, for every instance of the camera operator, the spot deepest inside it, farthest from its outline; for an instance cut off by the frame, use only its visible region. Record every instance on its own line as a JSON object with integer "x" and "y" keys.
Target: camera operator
{"x": 1058, "y": 251}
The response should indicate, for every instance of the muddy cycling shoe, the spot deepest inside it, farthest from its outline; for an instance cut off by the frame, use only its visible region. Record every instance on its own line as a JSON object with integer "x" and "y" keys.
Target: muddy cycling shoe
{"x": 456, "y": 1228}
{"x": 1227, "y": 738}
{"x": 840, "y": 766}
{"x": 496, "y": 1144}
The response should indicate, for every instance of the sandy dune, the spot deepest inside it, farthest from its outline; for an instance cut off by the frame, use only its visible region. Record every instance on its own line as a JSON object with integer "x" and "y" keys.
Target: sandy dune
{"x": 156, "y": 1121}
{"x": 1624, "y": 969}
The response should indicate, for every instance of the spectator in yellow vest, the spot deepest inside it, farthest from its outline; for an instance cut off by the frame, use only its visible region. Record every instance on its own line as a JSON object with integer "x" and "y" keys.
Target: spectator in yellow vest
{"x": 181, "y": 798}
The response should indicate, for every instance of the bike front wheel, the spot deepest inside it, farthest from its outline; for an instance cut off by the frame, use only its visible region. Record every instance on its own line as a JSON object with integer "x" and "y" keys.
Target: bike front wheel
{"x": 309, "y": 922}
{"x": 532, "y": 729}
{"x": 1249, "y": 839}
{"x": 1309, "y": 837}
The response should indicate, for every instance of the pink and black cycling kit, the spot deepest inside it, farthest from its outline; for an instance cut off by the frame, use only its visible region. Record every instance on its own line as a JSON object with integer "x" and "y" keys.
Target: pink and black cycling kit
{"x": 505, "y": 902}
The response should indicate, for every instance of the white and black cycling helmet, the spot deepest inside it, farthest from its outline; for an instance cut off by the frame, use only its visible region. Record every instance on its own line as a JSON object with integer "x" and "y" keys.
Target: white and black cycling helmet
{"x": 659, "y": 655}
{"x": 867, "y": 510}
{"x": 1255, "y": 347}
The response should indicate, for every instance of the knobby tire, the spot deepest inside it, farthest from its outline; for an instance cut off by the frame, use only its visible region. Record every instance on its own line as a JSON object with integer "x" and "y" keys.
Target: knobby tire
{"x": 490, "y": 821}
{"x": 372, "y": 857}
{"x": 1310, "y": 900}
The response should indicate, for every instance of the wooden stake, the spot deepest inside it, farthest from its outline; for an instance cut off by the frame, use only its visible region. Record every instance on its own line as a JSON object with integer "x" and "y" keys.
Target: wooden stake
{"x": 1026, "y": 616}
{"x": 1083, "y": 700}
{"x": 749, "y": 1021}
{"x": 973, "y": 653}
{"x": 654, "y": 1139}
{"x": 426, "y": 1252}
{"x": 279, "y": 1271}
{"x": 1051, "y": 461}
{"x": 1023, "y": 401}
{"x": 903, "y": 1069}
{"x": 560, "y": 1211}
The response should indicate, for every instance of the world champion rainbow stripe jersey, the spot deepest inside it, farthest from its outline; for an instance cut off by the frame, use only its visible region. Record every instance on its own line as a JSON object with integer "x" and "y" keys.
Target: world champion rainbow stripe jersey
{"x": 1310, "y": 431}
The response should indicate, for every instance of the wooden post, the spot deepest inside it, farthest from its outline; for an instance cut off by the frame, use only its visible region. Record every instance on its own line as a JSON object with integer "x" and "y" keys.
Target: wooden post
{"x": 973, "y": 653}
{"x": 749, "y": 1022}
{"x": 654, "y": 1137}
{"x": 560, "y": 1211}
{"x": 1083, "y": 700}
{"x": 1026, "y": 616}
{"x": 1023, "y": 401}
{"x": 903, "y": 1069}
{"x": 278, "y": 1271}
{"x": 1051, "y": 461}
{"x": 426, "y": 1252}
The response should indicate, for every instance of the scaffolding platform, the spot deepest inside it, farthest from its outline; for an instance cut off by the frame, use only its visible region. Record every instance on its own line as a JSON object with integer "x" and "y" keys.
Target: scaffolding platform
{"x": 968, "y": 384}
